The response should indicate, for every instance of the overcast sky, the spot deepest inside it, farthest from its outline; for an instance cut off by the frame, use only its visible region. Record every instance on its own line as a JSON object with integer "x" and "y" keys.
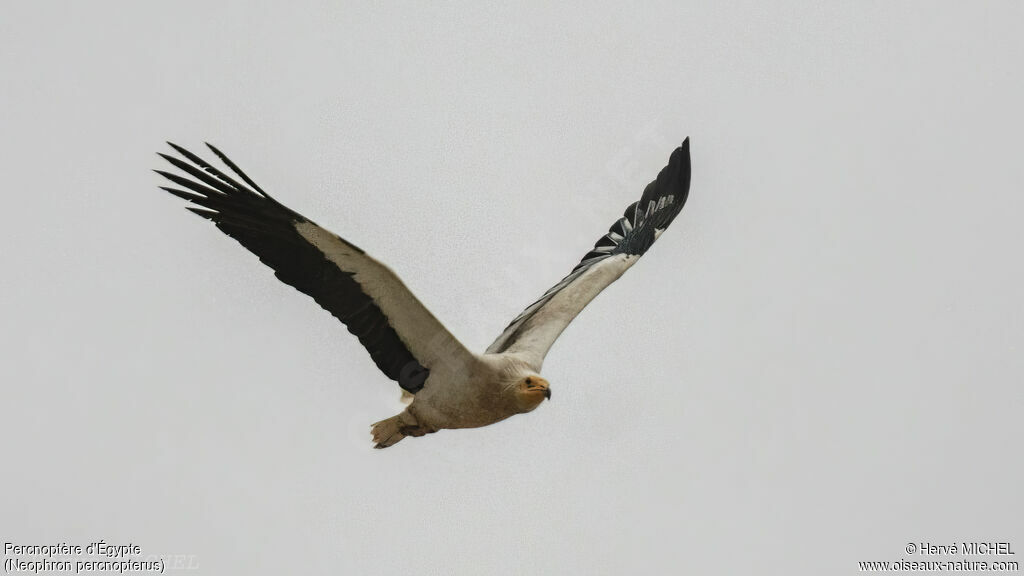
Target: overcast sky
{"x": 818, "y": 363}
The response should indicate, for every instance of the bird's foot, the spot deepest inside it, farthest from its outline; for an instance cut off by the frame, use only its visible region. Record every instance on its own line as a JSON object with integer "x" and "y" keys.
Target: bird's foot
{"x": 389, "y": 432}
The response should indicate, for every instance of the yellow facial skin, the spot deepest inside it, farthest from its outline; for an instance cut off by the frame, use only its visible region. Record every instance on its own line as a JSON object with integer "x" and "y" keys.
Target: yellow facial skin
{"x": 531, "y": 391}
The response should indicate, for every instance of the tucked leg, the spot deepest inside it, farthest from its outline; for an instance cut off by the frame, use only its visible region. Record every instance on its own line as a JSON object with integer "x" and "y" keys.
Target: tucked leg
{"x": 389, "y": 432}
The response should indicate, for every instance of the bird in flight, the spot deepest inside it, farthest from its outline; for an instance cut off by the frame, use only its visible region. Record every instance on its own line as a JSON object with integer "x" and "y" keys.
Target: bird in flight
{"x": 451, "y": 387}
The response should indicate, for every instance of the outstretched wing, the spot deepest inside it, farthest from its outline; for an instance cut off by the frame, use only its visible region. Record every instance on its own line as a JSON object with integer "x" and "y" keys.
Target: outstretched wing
{"x": 404, "y": 339}
{"x": 533, "y": 332}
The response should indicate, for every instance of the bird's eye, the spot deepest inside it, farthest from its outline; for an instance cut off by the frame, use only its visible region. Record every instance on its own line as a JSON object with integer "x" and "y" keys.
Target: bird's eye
{"x": 529, "y": 381}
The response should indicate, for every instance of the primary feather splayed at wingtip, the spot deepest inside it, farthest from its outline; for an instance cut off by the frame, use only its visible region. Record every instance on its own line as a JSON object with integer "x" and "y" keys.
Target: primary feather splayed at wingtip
{"x": 195, "y": 159}
{"x": 222, "y": 198}
{"x": 207, "y": 173}
{"x": 227, "y": 161}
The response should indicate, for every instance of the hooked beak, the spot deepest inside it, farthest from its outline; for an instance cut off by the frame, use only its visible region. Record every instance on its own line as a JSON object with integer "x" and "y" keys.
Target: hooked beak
{"x": 547, "y": 393}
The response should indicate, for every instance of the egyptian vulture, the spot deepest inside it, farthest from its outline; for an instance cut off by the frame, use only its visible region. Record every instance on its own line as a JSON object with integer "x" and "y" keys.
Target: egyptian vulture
{"x": 451, "y": 386}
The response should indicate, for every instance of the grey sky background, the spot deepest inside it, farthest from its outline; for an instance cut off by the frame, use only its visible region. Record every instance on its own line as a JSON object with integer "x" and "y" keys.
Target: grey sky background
{"x": 819, "y": 362}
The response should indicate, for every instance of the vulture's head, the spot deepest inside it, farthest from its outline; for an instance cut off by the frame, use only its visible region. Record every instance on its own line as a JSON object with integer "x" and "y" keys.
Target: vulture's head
{"x": 531, "y": 391}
